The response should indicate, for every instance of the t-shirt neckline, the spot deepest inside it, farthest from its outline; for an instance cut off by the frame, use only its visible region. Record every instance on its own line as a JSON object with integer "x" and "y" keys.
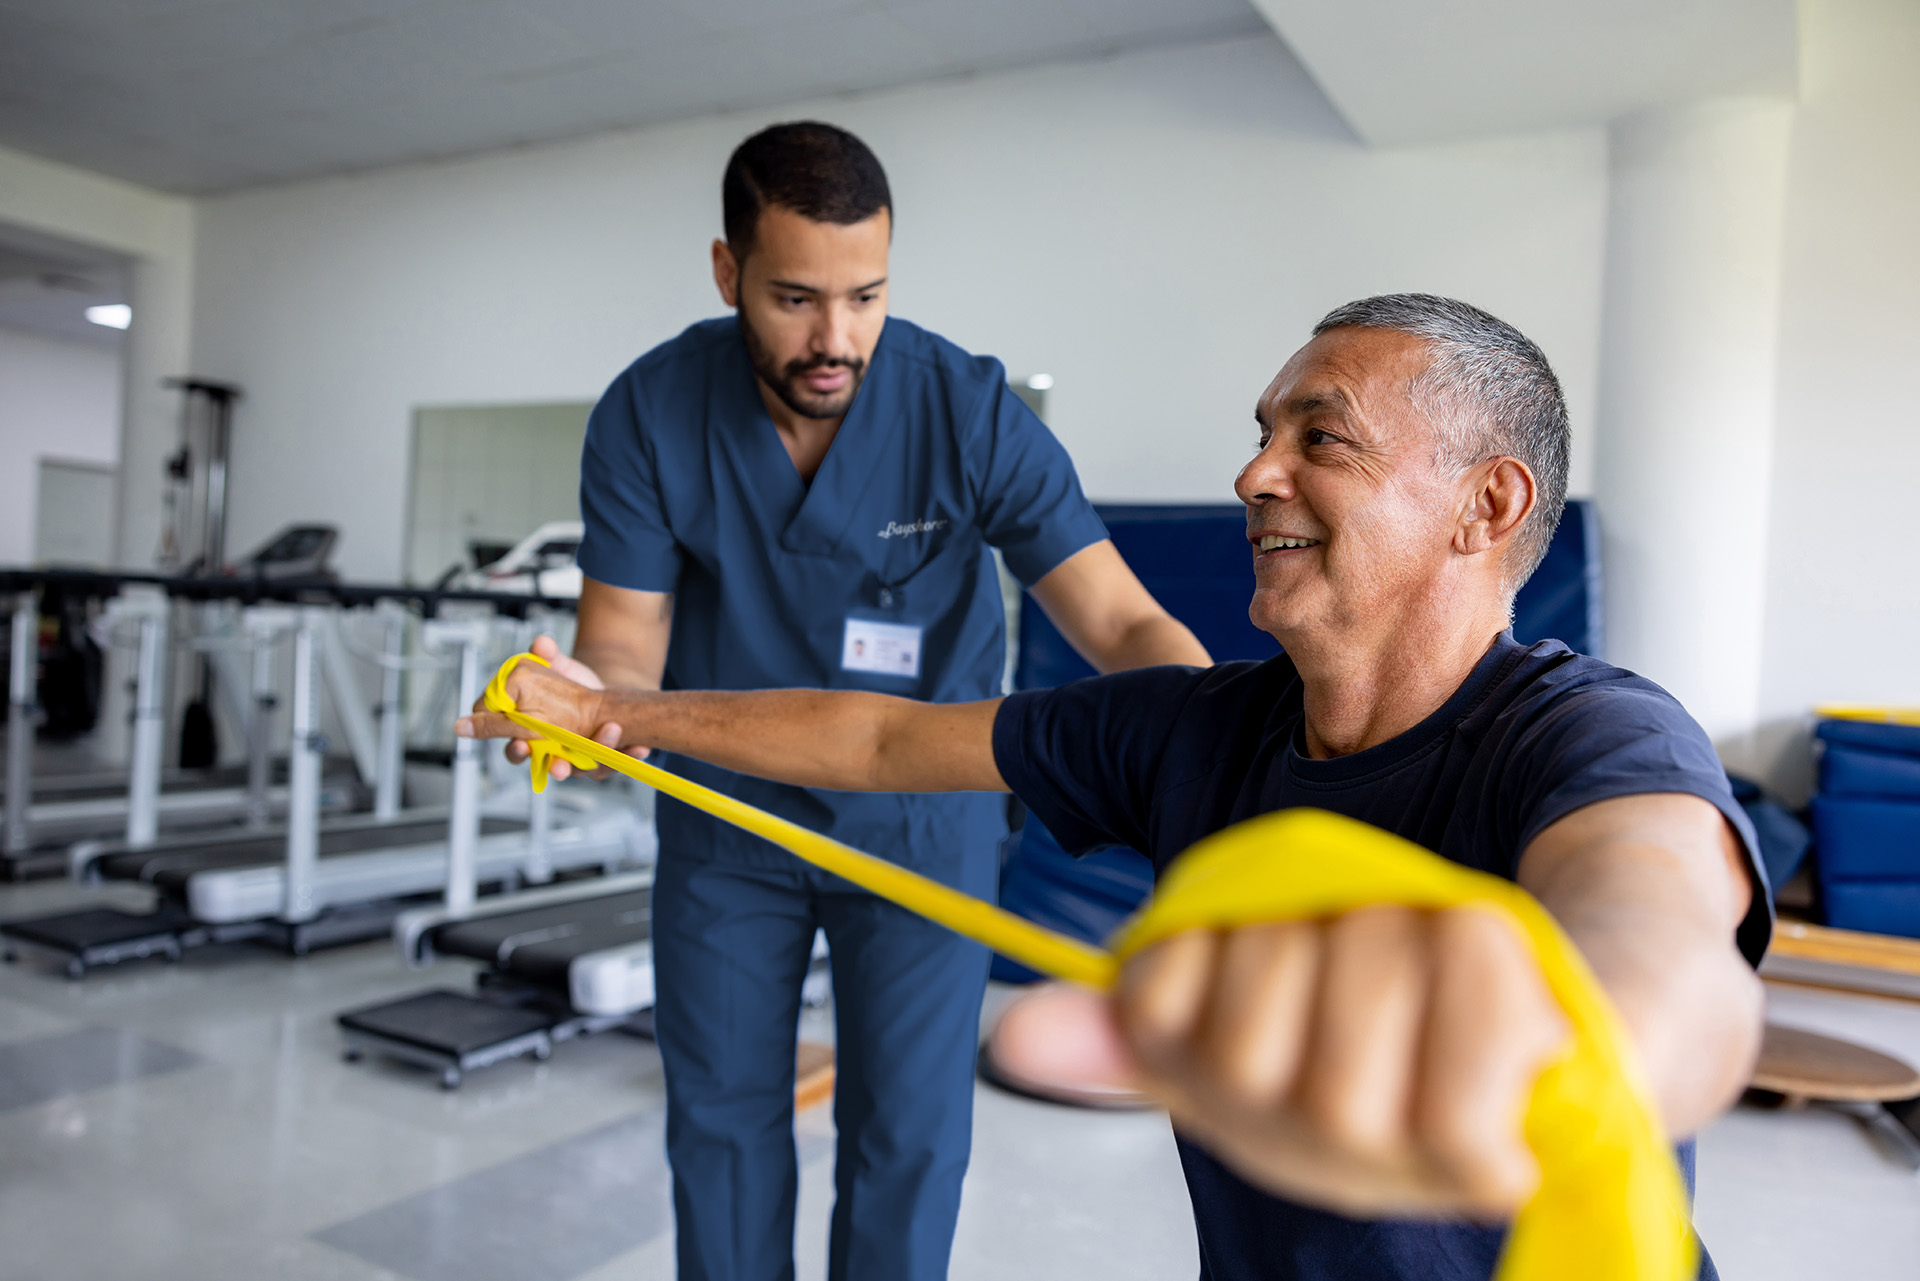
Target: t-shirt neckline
{"x": 1403, "y": 747}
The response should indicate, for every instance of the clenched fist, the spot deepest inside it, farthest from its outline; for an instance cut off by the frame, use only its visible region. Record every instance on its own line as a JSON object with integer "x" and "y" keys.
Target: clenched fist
{"x": 1377, "y": 1064}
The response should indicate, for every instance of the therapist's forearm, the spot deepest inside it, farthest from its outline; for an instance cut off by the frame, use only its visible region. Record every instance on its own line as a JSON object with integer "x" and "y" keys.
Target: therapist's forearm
{"x": 1153, "y": 641}
{"x": 841, "y": 740}
{"x": 623, "y": 634}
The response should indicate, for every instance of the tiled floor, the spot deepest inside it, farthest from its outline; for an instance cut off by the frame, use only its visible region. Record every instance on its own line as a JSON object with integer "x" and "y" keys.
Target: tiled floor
{"x": 196, "y": 1121}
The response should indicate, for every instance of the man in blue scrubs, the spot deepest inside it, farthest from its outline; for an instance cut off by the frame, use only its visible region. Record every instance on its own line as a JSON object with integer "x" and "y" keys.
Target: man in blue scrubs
{"x": 804, "y": 494}
{"x": 1348, "y": 1093}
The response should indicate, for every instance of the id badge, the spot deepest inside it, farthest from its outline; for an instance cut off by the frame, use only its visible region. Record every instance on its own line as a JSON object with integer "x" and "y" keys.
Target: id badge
{"x": 886, "y": 649}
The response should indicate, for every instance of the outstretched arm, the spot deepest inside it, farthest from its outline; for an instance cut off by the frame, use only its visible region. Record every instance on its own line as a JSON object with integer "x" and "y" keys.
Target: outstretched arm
{"x": 1379, "y": 1063}
{"x": 843, "y": 740}
{"x": 1652, "y": 888}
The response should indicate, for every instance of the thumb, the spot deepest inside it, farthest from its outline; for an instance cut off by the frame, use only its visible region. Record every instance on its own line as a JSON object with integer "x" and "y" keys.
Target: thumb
{"x": 488, "y": 725}
{"x": 1062, "y": 1034}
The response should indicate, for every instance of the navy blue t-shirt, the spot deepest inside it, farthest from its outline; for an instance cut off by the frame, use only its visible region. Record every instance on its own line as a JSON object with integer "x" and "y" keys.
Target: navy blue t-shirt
{"x": 686, "y": 488}
{"x": 1161, "y": 757}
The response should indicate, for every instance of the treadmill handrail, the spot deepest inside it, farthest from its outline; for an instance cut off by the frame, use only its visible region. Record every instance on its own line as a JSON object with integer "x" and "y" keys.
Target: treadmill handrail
{"x": 413, "y": 929}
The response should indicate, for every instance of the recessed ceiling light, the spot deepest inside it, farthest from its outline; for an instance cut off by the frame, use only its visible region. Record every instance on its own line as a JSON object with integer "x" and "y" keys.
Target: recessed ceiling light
{"x": 1040, "y": 382}
{"x": 114, "y": 315}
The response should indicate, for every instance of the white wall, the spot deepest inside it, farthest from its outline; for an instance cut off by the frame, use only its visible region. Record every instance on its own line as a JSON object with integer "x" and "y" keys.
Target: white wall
{"x": 57, "y": 400}
{"x": 1157, "y": 231}
{"x": 1684, "y": 446}
{"x": 1843, "y": 590}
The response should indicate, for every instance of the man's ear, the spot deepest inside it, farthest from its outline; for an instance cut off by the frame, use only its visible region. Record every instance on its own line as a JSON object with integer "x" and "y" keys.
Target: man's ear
{"x": 726, "y": 273}
{"x": 1500, "y": 497}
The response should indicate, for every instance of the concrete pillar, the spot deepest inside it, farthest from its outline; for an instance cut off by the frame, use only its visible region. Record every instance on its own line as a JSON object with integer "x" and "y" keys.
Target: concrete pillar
{"x": 1683, "y": 456}
{"x": 161, "y": 292}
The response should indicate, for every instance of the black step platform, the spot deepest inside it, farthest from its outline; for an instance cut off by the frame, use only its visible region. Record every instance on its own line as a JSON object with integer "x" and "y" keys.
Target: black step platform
{"x": 539, "y": 943}
{"x": 449, "y": 1032}
{"x": 106, "y": 935}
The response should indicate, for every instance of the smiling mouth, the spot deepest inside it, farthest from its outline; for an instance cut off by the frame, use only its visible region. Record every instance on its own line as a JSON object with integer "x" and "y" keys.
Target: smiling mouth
{"x": 1279, "y": 542}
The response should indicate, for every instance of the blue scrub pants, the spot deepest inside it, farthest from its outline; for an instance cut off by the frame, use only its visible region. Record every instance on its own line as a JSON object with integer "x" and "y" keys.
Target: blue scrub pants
{"x": 731, "y": 946}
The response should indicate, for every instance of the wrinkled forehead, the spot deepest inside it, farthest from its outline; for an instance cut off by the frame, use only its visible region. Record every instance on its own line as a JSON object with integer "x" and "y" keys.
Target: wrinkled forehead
{"x": 1353, "y": 372}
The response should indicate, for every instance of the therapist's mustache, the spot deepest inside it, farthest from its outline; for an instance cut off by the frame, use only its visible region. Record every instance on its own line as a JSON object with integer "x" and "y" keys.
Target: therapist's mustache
{"x": 797, "y": 367}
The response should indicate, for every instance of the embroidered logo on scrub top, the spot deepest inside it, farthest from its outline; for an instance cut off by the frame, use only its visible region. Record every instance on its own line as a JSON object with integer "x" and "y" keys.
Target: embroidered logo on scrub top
{"x": 895, "y": 529}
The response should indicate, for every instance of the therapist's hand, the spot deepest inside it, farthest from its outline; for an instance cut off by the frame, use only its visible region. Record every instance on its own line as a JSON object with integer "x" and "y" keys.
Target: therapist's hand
{"x": 1377, "y": 1064}
{"x": 564, "y": 693}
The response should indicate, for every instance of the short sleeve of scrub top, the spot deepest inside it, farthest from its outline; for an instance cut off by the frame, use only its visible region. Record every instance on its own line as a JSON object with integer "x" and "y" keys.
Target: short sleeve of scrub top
{"x": 627, "y": 542}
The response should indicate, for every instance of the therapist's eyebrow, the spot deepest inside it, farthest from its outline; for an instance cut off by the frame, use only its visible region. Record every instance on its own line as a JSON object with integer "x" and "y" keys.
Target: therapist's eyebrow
{"x": 798, "y": 288}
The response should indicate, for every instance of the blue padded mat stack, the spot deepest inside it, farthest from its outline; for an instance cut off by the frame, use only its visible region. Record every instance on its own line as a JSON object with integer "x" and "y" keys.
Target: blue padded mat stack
{"x": 1196, "y": 562}
{"x": 1866, "y": 826}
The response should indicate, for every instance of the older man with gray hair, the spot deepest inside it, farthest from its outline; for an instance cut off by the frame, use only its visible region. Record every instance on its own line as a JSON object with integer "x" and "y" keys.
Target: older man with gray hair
{"x": 1348, "y": 1092}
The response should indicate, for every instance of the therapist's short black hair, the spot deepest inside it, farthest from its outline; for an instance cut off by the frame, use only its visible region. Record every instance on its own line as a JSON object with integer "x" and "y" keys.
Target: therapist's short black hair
{"x": 820, "y": 171}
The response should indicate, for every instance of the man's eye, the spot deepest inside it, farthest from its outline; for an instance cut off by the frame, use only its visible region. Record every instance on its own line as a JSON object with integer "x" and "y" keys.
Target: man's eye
{"x": 1315, "y": 436}
{"x": 795, "y": 300}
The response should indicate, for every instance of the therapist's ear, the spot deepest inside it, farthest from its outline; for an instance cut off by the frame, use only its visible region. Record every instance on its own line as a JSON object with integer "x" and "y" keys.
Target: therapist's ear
{"x": 726, "y": 273}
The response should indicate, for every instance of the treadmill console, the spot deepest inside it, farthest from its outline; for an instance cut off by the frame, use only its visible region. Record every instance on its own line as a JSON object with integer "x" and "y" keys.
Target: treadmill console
{"x": 298, "y": 551}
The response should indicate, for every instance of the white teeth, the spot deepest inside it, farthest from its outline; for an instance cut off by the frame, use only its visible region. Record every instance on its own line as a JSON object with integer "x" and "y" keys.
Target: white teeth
{"x": 1272, "y": 541}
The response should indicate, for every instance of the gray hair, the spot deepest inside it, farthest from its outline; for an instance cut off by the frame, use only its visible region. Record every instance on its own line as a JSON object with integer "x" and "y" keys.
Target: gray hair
{"x": 1490, "y": 393}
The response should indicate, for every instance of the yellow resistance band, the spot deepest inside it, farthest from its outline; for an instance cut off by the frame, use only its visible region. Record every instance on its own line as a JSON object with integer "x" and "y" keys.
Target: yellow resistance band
{"x": 1610, "y": 1206}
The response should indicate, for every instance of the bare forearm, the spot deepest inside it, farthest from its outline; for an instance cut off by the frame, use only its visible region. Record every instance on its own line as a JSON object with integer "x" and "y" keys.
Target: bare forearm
{"x": 1691, "y": 1004}
{"x": 836, "y": 739}
{"x": 1109, "y": 618}
{"x": 623, "y": 634}
{"x": 1153, "y": 641}
{"x": 621, "y": 666}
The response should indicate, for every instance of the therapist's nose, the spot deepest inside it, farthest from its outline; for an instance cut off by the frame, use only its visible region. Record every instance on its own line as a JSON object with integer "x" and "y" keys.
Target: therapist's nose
{"x": 833, "y": 332}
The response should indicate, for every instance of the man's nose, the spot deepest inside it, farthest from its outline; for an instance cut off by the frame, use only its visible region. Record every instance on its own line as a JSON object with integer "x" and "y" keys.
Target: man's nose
{"x": 1268, "y": 475}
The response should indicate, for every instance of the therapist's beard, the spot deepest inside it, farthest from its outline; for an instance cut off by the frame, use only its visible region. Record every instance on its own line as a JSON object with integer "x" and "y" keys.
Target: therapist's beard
{"x": 785, "y": 380}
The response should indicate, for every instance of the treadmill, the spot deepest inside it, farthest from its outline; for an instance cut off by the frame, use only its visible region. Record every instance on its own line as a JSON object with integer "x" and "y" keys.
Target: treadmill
{"x": 312, "y": 887}
{"x": 39, "y": 814}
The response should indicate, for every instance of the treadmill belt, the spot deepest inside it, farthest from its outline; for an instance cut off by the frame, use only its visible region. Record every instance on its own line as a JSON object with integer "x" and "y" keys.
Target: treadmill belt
{"x": 541, "y": 942}
{"x": 170, "y": 869}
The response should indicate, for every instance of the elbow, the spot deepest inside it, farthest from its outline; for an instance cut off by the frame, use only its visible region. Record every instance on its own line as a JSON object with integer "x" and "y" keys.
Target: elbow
{"x": 1712, "y": 1042}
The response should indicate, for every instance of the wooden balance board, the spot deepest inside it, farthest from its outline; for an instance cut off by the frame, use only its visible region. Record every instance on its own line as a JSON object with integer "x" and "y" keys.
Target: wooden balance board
{"x": 1802, "y": 1066}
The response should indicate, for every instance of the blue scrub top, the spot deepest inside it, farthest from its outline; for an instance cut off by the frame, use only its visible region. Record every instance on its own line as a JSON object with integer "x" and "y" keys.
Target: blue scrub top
{"x": 686, "y": 488}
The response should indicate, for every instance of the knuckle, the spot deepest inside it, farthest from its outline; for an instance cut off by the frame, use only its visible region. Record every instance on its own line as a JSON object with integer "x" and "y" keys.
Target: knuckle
{"x": 1347, "y": 1118}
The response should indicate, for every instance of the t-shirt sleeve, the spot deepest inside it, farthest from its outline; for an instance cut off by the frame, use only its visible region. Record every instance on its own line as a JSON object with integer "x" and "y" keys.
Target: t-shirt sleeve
{"x": 628, "y": 542}
{"x": 1628, "y": 739}
{"x": 1031, "y": 504}
{"x": 1084, "y": 756}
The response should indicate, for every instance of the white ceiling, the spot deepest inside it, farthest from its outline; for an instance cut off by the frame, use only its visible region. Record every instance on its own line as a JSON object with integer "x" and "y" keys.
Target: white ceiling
{"x": 200, "y": 96}
{"x": 1405, "y": 71}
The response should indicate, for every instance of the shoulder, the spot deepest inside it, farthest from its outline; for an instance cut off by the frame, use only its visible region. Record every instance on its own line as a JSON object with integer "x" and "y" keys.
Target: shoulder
{"x": 1565, "y": 730}
{"x": 665, "y": 380}
{"x": 680, "y": 363}
{"x": 926, "y": 355}
{"x": 687, "y": 355}
{"x": 1547, "y": 686}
